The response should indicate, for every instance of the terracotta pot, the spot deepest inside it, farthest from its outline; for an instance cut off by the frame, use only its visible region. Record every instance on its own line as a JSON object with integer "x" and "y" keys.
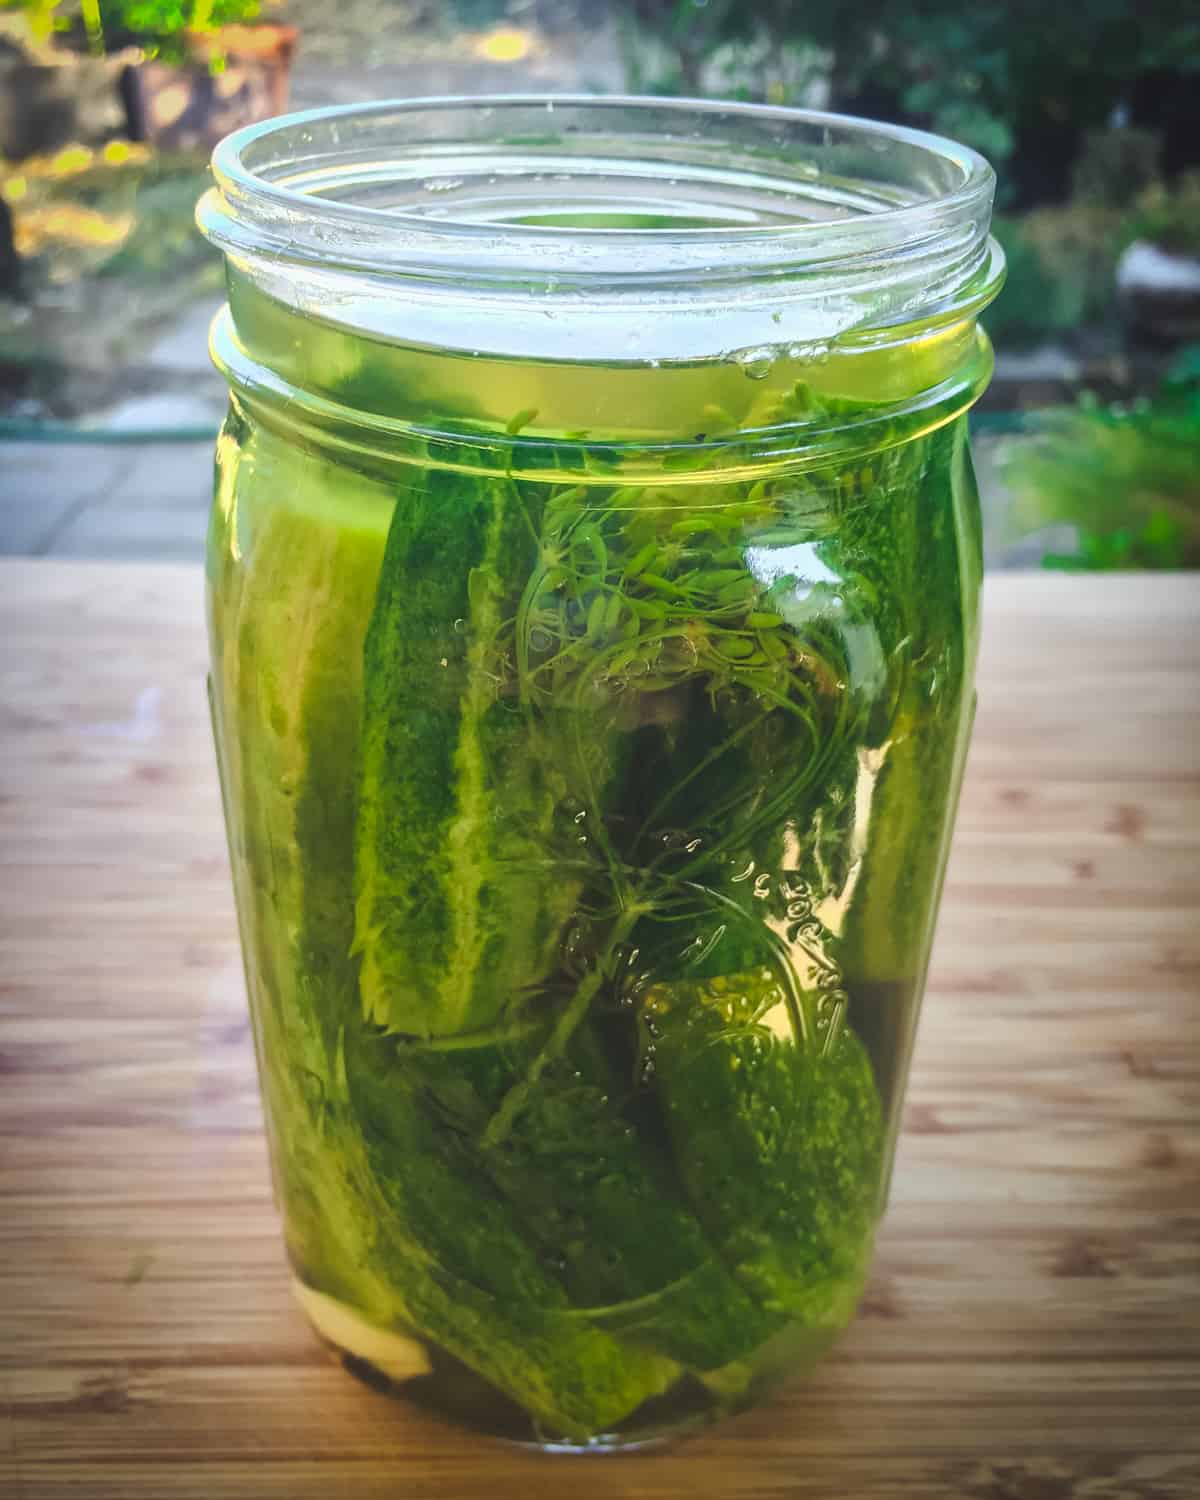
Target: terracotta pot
{"x": 193, "y": 105}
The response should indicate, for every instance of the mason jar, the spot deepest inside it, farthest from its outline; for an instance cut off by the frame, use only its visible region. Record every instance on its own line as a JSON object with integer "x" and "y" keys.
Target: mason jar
{"x": 593, "y": 593}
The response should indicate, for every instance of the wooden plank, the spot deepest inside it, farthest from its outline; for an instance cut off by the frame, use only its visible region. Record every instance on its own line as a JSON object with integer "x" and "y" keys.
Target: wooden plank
{"x": 1032, "y": 1330}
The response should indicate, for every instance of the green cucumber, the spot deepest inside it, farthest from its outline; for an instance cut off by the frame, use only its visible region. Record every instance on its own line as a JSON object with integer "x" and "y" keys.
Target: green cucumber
{"x": 457, "y": 914}
{"x": 777, "y": 1138}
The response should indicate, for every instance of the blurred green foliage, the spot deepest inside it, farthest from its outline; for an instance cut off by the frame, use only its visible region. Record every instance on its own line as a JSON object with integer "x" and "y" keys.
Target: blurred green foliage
{"x": 1023, "y": 79}
{"x": 1127, "y": 478}
{"x": 1062, "y": 258}
{"x": 1037, "y": 301}
{"x": 159, "y": 27}
{"x": 1115, "y": 165}
{"x": 163, "y": 244}
{"x": 123, "y": 211}
{"x": 1061, "y": 262}
{"x": 1167, "y": 216}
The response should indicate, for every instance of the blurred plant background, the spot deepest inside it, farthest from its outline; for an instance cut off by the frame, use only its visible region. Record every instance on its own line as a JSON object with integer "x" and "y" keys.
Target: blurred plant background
{"x": 1089, "y": 439}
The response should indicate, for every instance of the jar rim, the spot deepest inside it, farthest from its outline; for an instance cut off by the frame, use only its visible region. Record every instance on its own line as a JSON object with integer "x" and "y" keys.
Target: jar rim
{"x": 238, "y": 162}
{"x": 823, "y": 223}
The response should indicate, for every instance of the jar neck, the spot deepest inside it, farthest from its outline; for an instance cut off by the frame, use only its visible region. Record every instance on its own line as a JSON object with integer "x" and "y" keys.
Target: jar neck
{"x": 430, "y": 419}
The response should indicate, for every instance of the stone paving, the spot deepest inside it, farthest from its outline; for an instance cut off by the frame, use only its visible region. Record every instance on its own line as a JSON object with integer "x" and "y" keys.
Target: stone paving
{"x": 145, "y": 501}
{"x": 134, "y": 497}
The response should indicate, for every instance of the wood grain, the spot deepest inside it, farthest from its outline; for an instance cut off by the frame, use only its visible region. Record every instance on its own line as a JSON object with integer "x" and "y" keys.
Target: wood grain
{"x": 1032, "y": 1331}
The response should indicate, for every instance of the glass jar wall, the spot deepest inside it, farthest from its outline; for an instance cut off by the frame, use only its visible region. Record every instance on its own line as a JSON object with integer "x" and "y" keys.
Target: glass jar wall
{"x": 594, "y": 573}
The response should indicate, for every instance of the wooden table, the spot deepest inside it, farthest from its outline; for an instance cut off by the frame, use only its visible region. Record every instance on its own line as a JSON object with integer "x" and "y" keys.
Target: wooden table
{"x": 1033, "y": 1327}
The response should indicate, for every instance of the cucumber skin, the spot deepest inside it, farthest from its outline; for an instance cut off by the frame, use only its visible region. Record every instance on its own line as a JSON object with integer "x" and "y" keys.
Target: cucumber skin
{"x": 778, "y": 1143}
{"x": 456, "y": 916}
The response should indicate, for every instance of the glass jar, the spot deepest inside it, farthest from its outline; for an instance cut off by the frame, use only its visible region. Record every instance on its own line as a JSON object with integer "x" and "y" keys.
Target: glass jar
{"x": 594, "y": 573}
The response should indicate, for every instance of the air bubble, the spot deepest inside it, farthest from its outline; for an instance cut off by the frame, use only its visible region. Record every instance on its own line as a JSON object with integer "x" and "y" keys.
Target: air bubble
{"x": 815, "y": 353}
{"x": 756, "y": 363}
{"x": 460, "y": 626}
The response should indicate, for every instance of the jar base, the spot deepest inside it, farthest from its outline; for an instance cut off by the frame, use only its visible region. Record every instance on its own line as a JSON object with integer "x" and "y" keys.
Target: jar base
{"x": 406, "y": 1367}
{"x": 490, "y": 1415}
{"x": 412, "y": 1369}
